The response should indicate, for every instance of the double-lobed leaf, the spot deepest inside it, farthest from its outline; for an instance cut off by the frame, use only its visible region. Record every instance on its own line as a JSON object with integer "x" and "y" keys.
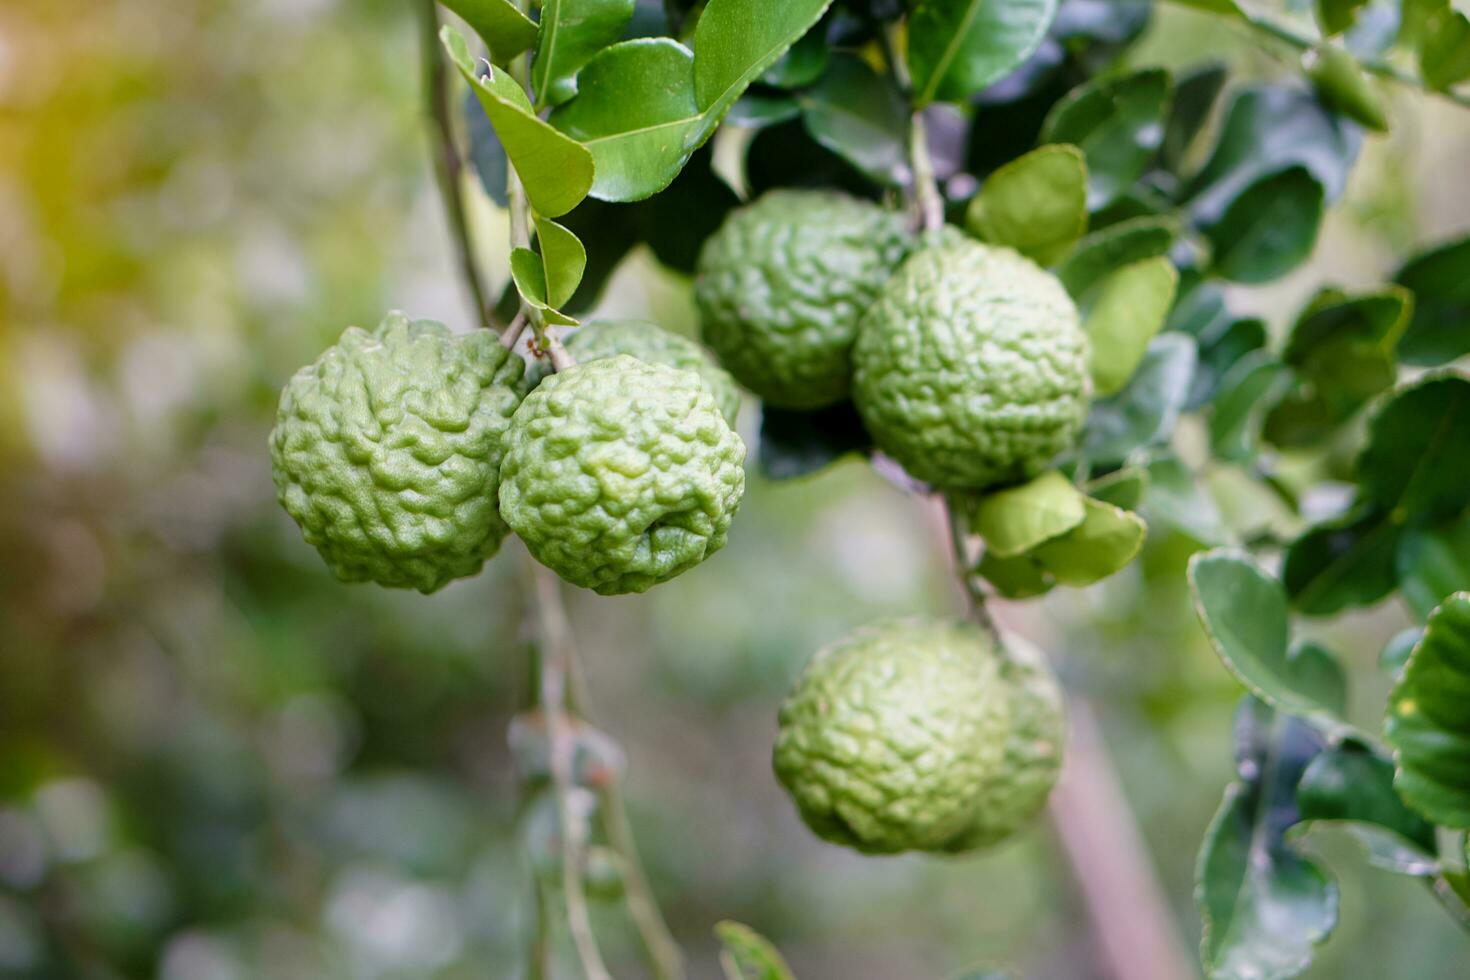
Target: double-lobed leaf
{"x": 1119, "y": 124}
{"x": 1417, "y": 444}
{"x": 572, "y": 32}
{"x": 1036, "y": 204}
{"x": 1439, "y": 278}
{"x": 1428, "y": 720}
{"x": 1269, "y": 229}
{"x": 528, "y": 272}
{"x": 564, "y": 259}
{"x": 958, "y": 47}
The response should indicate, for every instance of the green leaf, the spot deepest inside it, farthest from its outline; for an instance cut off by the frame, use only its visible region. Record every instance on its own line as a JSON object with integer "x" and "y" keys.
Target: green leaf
{"x": 802, "y": 64}
{"x": 1244, "y": 614}
{"x": 635, "y": 112}
{"x": 1131, "y": 307}
{"x": 1336, "y": 16}
{"x": 1440, "y": 281}
{"x": 1444, "y": 51}
{"x": 1351, "y": 785}
{"x": 1146, "y": 410}
{"x": 1247, "y": 390}
{"x": 1348, "y": 561}
{"x": 1395, "y": 653}
{"x": 1269, "y": 229}
{"x": 1021, "y": 577}
{"x": 1194, "y": 96}
{"x": 1121, "y": 488}
{"x": 1119, "y": 124}
{"x": 1113, "y": 247}
{"x": 1428, "y": 722}
{"x": 1176, "y": 498}
{"x": 796, "y": 444}
{"x": 1036, "y": 204}
{"x": 1229, "y": 8}
{"x": 752, "y": 111}
{"x": 1433, "y": 564}
{"x": 747, "y": 955}
{"x": 1343, "y": 85}
{"x": 1265, "y": 908}
{"x": 958, "y": 47}
{"x": 529, "y": 276}
{"x": 736, "y": 40}
{"x": 565, "y": 260}
{"x": 572, "y": 31}
{"x": 859, "y": 115}
{"x": 1104, "y": 543}
{"x": 1418, "y": 441}
{"x": 1017, "y": 519}
{"x": 555, "y": 169}
{"x": 501, "y": 25}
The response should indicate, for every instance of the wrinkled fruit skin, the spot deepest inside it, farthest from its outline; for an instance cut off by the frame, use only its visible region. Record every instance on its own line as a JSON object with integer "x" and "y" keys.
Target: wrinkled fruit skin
{"x": 971, "y": 368}
{"x": 620, "y": 474}
{"x": 650, "y": 342}
{"x": 387, "y": 451}
{"x": 918, "y": 735}
{"x": 782, "y": 285}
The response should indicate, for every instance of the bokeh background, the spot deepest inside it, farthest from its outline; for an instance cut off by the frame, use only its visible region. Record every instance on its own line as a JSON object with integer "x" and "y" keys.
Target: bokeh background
{"x": 218, "y": 763}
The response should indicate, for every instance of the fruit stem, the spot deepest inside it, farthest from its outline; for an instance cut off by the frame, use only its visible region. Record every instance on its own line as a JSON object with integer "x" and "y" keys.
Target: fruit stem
{"x": 959, "y": 548}
{"x": 448, "y": 163}
{"x": 663, "y": 951}
{"x": 927, "y": 199}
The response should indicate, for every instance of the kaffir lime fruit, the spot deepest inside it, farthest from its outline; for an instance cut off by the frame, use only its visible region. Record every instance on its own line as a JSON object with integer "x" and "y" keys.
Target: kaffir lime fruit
{"x": 970, "y": 369}
{"x": 650, "y": 342}
{"x": 919, "y": 735}
{"x": 781, "y": 287}
{"x": 387, "y": 451}
{"x": 620, "y": 474}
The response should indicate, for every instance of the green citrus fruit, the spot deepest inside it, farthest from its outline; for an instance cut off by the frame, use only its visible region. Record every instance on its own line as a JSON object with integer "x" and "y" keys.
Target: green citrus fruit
{"x": 387, "y": 451}
{"x": 650, "y": 342}
{"x": 970, "y": 369}
{"x": 781, "y": 287}
{"x": 620, "y": 474}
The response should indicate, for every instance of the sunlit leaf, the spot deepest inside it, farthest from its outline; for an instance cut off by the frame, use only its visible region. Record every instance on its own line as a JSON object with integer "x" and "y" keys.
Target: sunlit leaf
{"x": 736, "y": 40}
{"x": 1131, "y": 307}
{"x": 1036, "y": 204}
{"x": 1017, "y": 519}
{"x": 572, "y": 31}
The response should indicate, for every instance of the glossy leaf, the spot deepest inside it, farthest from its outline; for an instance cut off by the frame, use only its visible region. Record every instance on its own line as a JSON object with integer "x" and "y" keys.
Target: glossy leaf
{"x": 1113, "y": 247}
{"x": 500, "y": 24}
{"x": 1428, "y": 722}
{"x": 1395, "y": 653}
{"x": 859, "y": 115}
{"x": 572, "y": 31}
{"x": 1130, "y": 309}
{"x": 1418, "y": 441}
{"x": 1176, "y": 498}
{"x": 1106, "y": 541}
{"x": 1119, "y": 124}
{"x": 564, "y": 258}
{"x": 1244, "y": 614}
{"x": 1344, "y": 86}
{"x": 796, "y": 444}
{"x": 958, "y": 47}
{"x": 1433, "y": 564}
{"x": 736, "y": 40}
{"x": 802, "y": 64}
{"x": 1036, "y": 204}
{"x": 555, "y": 169}
{"x": 1440, "y": 281}
{"x": 1194, "y": 96}
{"x": 636, "y": 114}
{"x": 1265, "y": 908}
{"x": 1247, "y": 390}
{"x": 1444, "y": 52}
{"x": 1017, "y": 519}
{"x": 1146, "y": 410}
{"x": 1269, "y": 229}
{"x": 1352, "y": 786}
{"x": 529, "y": 275}
{"x": 747, "y": 955}
{"x": 752, "y": 111}
{"x": 1345, "y": 562}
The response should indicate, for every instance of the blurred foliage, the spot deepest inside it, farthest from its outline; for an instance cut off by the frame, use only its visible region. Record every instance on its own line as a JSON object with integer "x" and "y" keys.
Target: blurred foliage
{"x": 217, "y": 763}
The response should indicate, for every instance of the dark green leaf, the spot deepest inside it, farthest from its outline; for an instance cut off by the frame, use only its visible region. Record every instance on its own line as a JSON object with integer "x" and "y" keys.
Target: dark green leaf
{"x": 1121, "y": 488}
{"x": 1269, "y": 229}
{"x": 1247, "y": 391}
{"x": 753, "y": 111}
{"x": 1015, "y": 520}
{"x": 1444, "y": 52}
{"x": 1113, "y": 247}
{"x": 555, "y": 169}
{"x": 1130, "y": 308}
{"x": 1352, "y": 785}
{"x": 1336, "y": 16}
{"x": 1194, "y": 97}
{"x": 1227, "y": 7}
{"x": 1176, "y": 498}
{"x": 1433, "y": 564}
{"x": 504, "y": 29}
{"x": 1418, "y": 441}
{"x": 1265, "y": 908}
{"x": 1145, "y": 411}
{"x": 794, "y": 444}
{"x": 1395, "y": 653}
{"x": 1428, "y": 721}
{"x": 736, "y": 40}
{"x": 572, "y": 31}
{"x": 1440, "y": 281}
{"x": 1119, "y": 124}
{"x": 1244, "y": 614}
{"x": 958, "y": 47}
{"x": 675, "y": 222}
{"x": 1225, "y": 348}
{"x": 802, "y": 64}
{"x": 859, "y": 115}
{"x": 1341, "y": 563}
{"x": 1036, "y": 204}
{"x": 747, "y": 955}
{"x": 1021, "y": 577}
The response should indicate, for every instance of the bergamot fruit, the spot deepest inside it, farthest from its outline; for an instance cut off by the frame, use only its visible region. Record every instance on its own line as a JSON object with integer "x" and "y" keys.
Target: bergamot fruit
{"x": 650, "y": 342}
{"x": 970, "y": 369}
{"x": 781, "y": 287}
{"x": 387, "y": 451}
{"x": 620, "y": 474}
{"x": 920, "y": 735}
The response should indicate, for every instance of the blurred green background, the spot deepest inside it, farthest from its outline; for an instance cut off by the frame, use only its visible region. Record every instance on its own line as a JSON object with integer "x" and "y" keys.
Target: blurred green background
{"x": 216, "y": 762}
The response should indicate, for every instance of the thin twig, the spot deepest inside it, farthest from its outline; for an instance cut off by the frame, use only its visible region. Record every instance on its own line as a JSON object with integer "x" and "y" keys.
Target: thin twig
{"x": 1449, "y": 900}
{"x": 448, "y": 164}
{"x": 663, "y": 951}
{"x": 959, "y": 550}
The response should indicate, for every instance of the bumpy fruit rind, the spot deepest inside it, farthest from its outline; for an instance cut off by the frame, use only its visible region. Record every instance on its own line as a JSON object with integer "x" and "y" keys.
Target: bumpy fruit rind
{"x": 652, "y": 343}
{"x": 387, "y": 451}
{"x": 970, "y": 369}
{"x": 620, "y": 474}
{"x": 782, "y": 285}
